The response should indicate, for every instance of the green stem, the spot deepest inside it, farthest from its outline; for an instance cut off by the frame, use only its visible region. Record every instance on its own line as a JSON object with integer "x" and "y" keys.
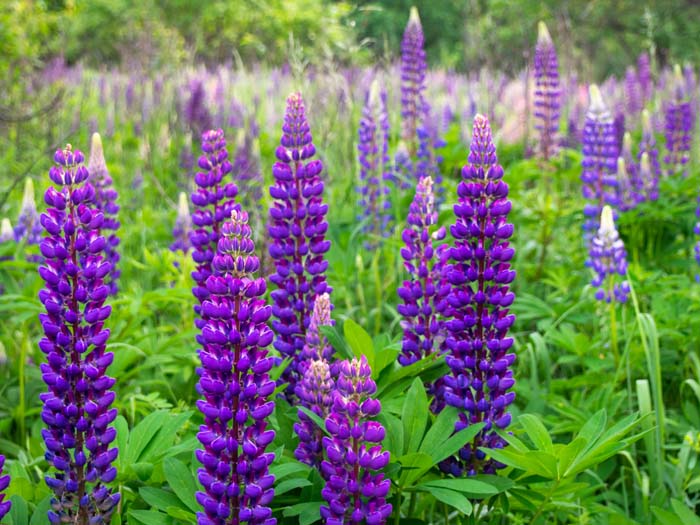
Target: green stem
{"x": 613, "y": 324}
{"x": 546, "y": 499}
{"x": 397, "y": 509}
{"x": 22, "y": 408}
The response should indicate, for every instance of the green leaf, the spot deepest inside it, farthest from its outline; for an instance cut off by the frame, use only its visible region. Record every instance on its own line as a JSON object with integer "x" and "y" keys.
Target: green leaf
{"x": 142, "y": 434}
{"x": 336, "y": 341}
{"x": 415, "y": 415}
{"x": 291, "y": 484}
{"x": 39, "y": 516}
{"x": 282, "y": 470}
{"x": 567, "y": 456}
{"x": 143, "y": 470}
{"x": 414, "y": 466}
{"x": 158, "y": 498}
{"x": 181, "y": 481}
{"x": 440, "y": 430}
{"x": 470, "y": 487}
{"x": 315, "y": 417}
{"x": 665, "y": 517}
{"x": 149, "y": 517}
{"x": 181, "y": 514}
{"x": 455, "y": 442}
{"x": 19, "y": 513}
{"x": 451, "y": 498}
{"x": 393, "y": 441}
{"x": 537, "y": 432}
{"x": 687, "y": 516}
{"x": 359, "y": 340}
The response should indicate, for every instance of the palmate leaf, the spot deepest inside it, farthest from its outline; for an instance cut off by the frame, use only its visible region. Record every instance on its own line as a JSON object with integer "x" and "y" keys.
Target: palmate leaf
{"x": 415, "y": 415}
{"x": 451, "y": 498}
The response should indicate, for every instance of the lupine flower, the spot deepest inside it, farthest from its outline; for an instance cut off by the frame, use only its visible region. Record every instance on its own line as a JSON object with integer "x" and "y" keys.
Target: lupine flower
{"x": 678, "y": 127}
{"x": 76, "y": 408}
{"x": 633, "y": 193}
{"x": 315, "y": 393}
{"x": 235, "y": 386}
{"x": 413, "y": 72}
{"x": 375, "y": 169}
{"x": 316, "y": 345}
{"x": 619, "y": 130}
{"x": 547, "y": 92}
{"x": 195, "y": 112}
{"x": 403, "y": 167}
{"x": 214, "y": 201}
{"x": 648, "y": 145}
{"x": 650, "y": 181}
{"x": 246, "y": 171}
{"x": 105, "y": 201}
{"x": 633, "y": 96}
{"x": 626, "y": 191}
{"x": 28, "y": 225}
{"x": 428, "y": 160}
{"x": 609, "y": 260}
{"x": 6, "y": 232}
{"x": 355, "y": 490}
{"x": 297, "y": 228}
{"x": 183, "y": 226}
{"x": 599, "y": 160}
{"x": 644, "y": 76}
{"x": 4, "y": 483}
{"x": 480, "y": 377}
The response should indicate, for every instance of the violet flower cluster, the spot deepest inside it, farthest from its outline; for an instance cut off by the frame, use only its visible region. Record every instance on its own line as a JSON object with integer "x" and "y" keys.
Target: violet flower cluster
{"x": 28, "y": 226}
{"x": 76, "y": 407}
{"x": 4, "y": 483}
{"x": 633, "y": 95}
{"x": 600, "y": 152}
{"x": 297, "y": 227}
{"x": 235, "y": 385}
{"x": 547, "y": 93}
{"x": 678, "y": 127}
{"x": 413, "y": 73}
{"x": 355, "y": 490}
{"x": 608, "y": 259}
{"x": 105, "y": 201}
{"x": 650, "y": 177}
{"x": 214, "y": 201}
{"x": 644, "y": 76}
{"x": 375, "y": 168}
{"x": 183, "y": 226}
{"x": 480, "y": 377}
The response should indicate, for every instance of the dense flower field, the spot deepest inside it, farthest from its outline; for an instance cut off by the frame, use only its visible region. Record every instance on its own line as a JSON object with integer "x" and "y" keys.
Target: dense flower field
{"x": 390, "y": 295}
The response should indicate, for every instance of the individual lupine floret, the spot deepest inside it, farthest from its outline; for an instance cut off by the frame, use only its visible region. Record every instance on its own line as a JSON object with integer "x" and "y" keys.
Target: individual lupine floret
{"x": 213, "y": 200}
{"x": 480, "y": 377}
{"x": 105, "y": 201}
{"x": 76, "y": 408}
{"x": 4, "y": 483}
{"x": 355, "y": 491}
{"x": 315, "y": 393}
{"x": 413, "y": 72}
{"x": 609, "y": 260}
{"x": 599, "y": 160}
{"x": 648, "y": 145}
{"x": 297, "y": 227}
{"x": 375, "y": 170}
{"x": 183, "y": 226}
{"x": 235, "y": 385}
{"x": 28, "y": 226}
{"x": 678, "y": 127}
{"x": 547, "y": 92}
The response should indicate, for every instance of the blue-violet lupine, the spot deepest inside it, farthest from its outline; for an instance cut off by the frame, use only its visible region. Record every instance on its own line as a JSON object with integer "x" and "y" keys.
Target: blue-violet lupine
{"x": 76, "y": 408}
{"x": 297, "y": 227}
{"x": 599, "y": 161}
{"x": 235, "y": 385}
{"x": 480, "y": 274}
{"x": 355, "y": 491}
{"x": 547, "y": 93}
{"x": 28, "y": 225}
{"x": 105, "y": 201}
{"x": 316, "y": 346}
{"x": 4, "y": 483}
{"x": 183, "y": 226}
{"x": 609, "y": 261}
{"x": 644, "y": 75}
{"x": 314, "y": 391}
{"x": 678, "y": 127}
{"x": 413, "y": 73}
{"x": 648, "y": 145}
{"x": 633, "y": 95}
{"x": 213, "y": 200}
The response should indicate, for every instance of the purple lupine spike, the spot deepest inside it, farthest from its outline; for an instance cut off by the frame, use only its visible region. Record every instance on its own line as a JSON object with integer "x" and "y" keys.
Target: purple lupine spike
{"x": 650, "y": 180}
{"x": 105, "y": 201}
{"x": 648, "y": 145}
{"x": 195, "y": 112}
{"x": 480, "y": 377}
{"x": 76, "y": 408}
{"x": 355, "y": 490}
{"x": 636, "y": 183}
{"x": 183, "y": 226}
{"x": 428, "y": 160}
{"x": 619, "y": 129}
{"x": 375, "y": 172}
{"x": 315, "y": 393}
{"x": 403, "y": 167}
{"x": 547, "y": 92}
{"x": 599, "y": 160}
{"x": 633, "y": 96}
{"x": 678, "y": 127}
{"x": 28, "y": 225}
{"x": 235, "y": 385}
{"x": 608, "y": 259}
{"x": 644, "y": 77}
{"x": 626, "y": 190}
{"x": 246, "y": 171}
{"x": 6, "y": 232}
{"x": 213, "y": 200}
{"x": 316, "y": 346}
{"x": 297, "y": 227}
{"x": 413, "y": 72}
{"x": 4, "y": 483}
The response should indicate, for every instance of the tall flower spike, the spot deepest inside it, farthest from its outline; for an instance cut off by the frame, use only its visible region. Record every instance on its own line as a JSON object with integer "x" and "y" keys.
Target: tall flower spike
{"x": 4, "y": 483}
{"x": 183, "y": 226}
{"x": 547, "y": 92}
{"x": 375, "y": 171}
{"x": 105, "y": 201}
{"x": 235, "y": 385}
{"x": 355, "y": 490}
{"x": 76, "y": 408}
{"x": 297, "y": 227}
{"x": 28, "y": 225}
{"x": 480, "y": 274}
{"x": 633, "y": 95}
{"x": 609, "y": 260}
{"x": 678, "y": 126}
{"x": 650, "y": 181}
{"x": 315, "y": 393}
{"x": 644, "y": 75}
{"x": 428, "y": 160}
{"x": 213, "y": 200}
{"x": 630, "y": 183}
{"x": 316, "y": 345}
{"x": 599, "y": 160}
{"x": 413, "y": 72}
{"x": 648, "y": 146}
{"x": 6, "y": 231}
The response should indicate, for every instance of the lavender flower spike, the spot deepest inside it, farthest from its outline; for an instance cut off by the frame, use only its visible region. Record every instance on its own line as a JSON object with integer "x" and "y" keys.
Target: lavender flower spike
{"x": 480, "y": 378}
{"x": 648, "y": 145}
{"x": 678, "y": 126}
{"x": 315, "y": 393}
{"x": 316, "y": 345}
{"x": 28, "y": 225}
{"x": 105, "y": 201}
{"x": 297, "y": 228}
{"x": 183, "y": 226}
{"x": 608, "y": 259}
{"x": 413, "y": 72}
{"x": 650, "y": 180}
{"x": 547, "y": 92}
{"x": 355, "y": 490}
{"x": 599, "y": 160}
{"x": 235, "y": 386}
{"x": 76, "y": 407}
{"x": 4, "y": 483}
